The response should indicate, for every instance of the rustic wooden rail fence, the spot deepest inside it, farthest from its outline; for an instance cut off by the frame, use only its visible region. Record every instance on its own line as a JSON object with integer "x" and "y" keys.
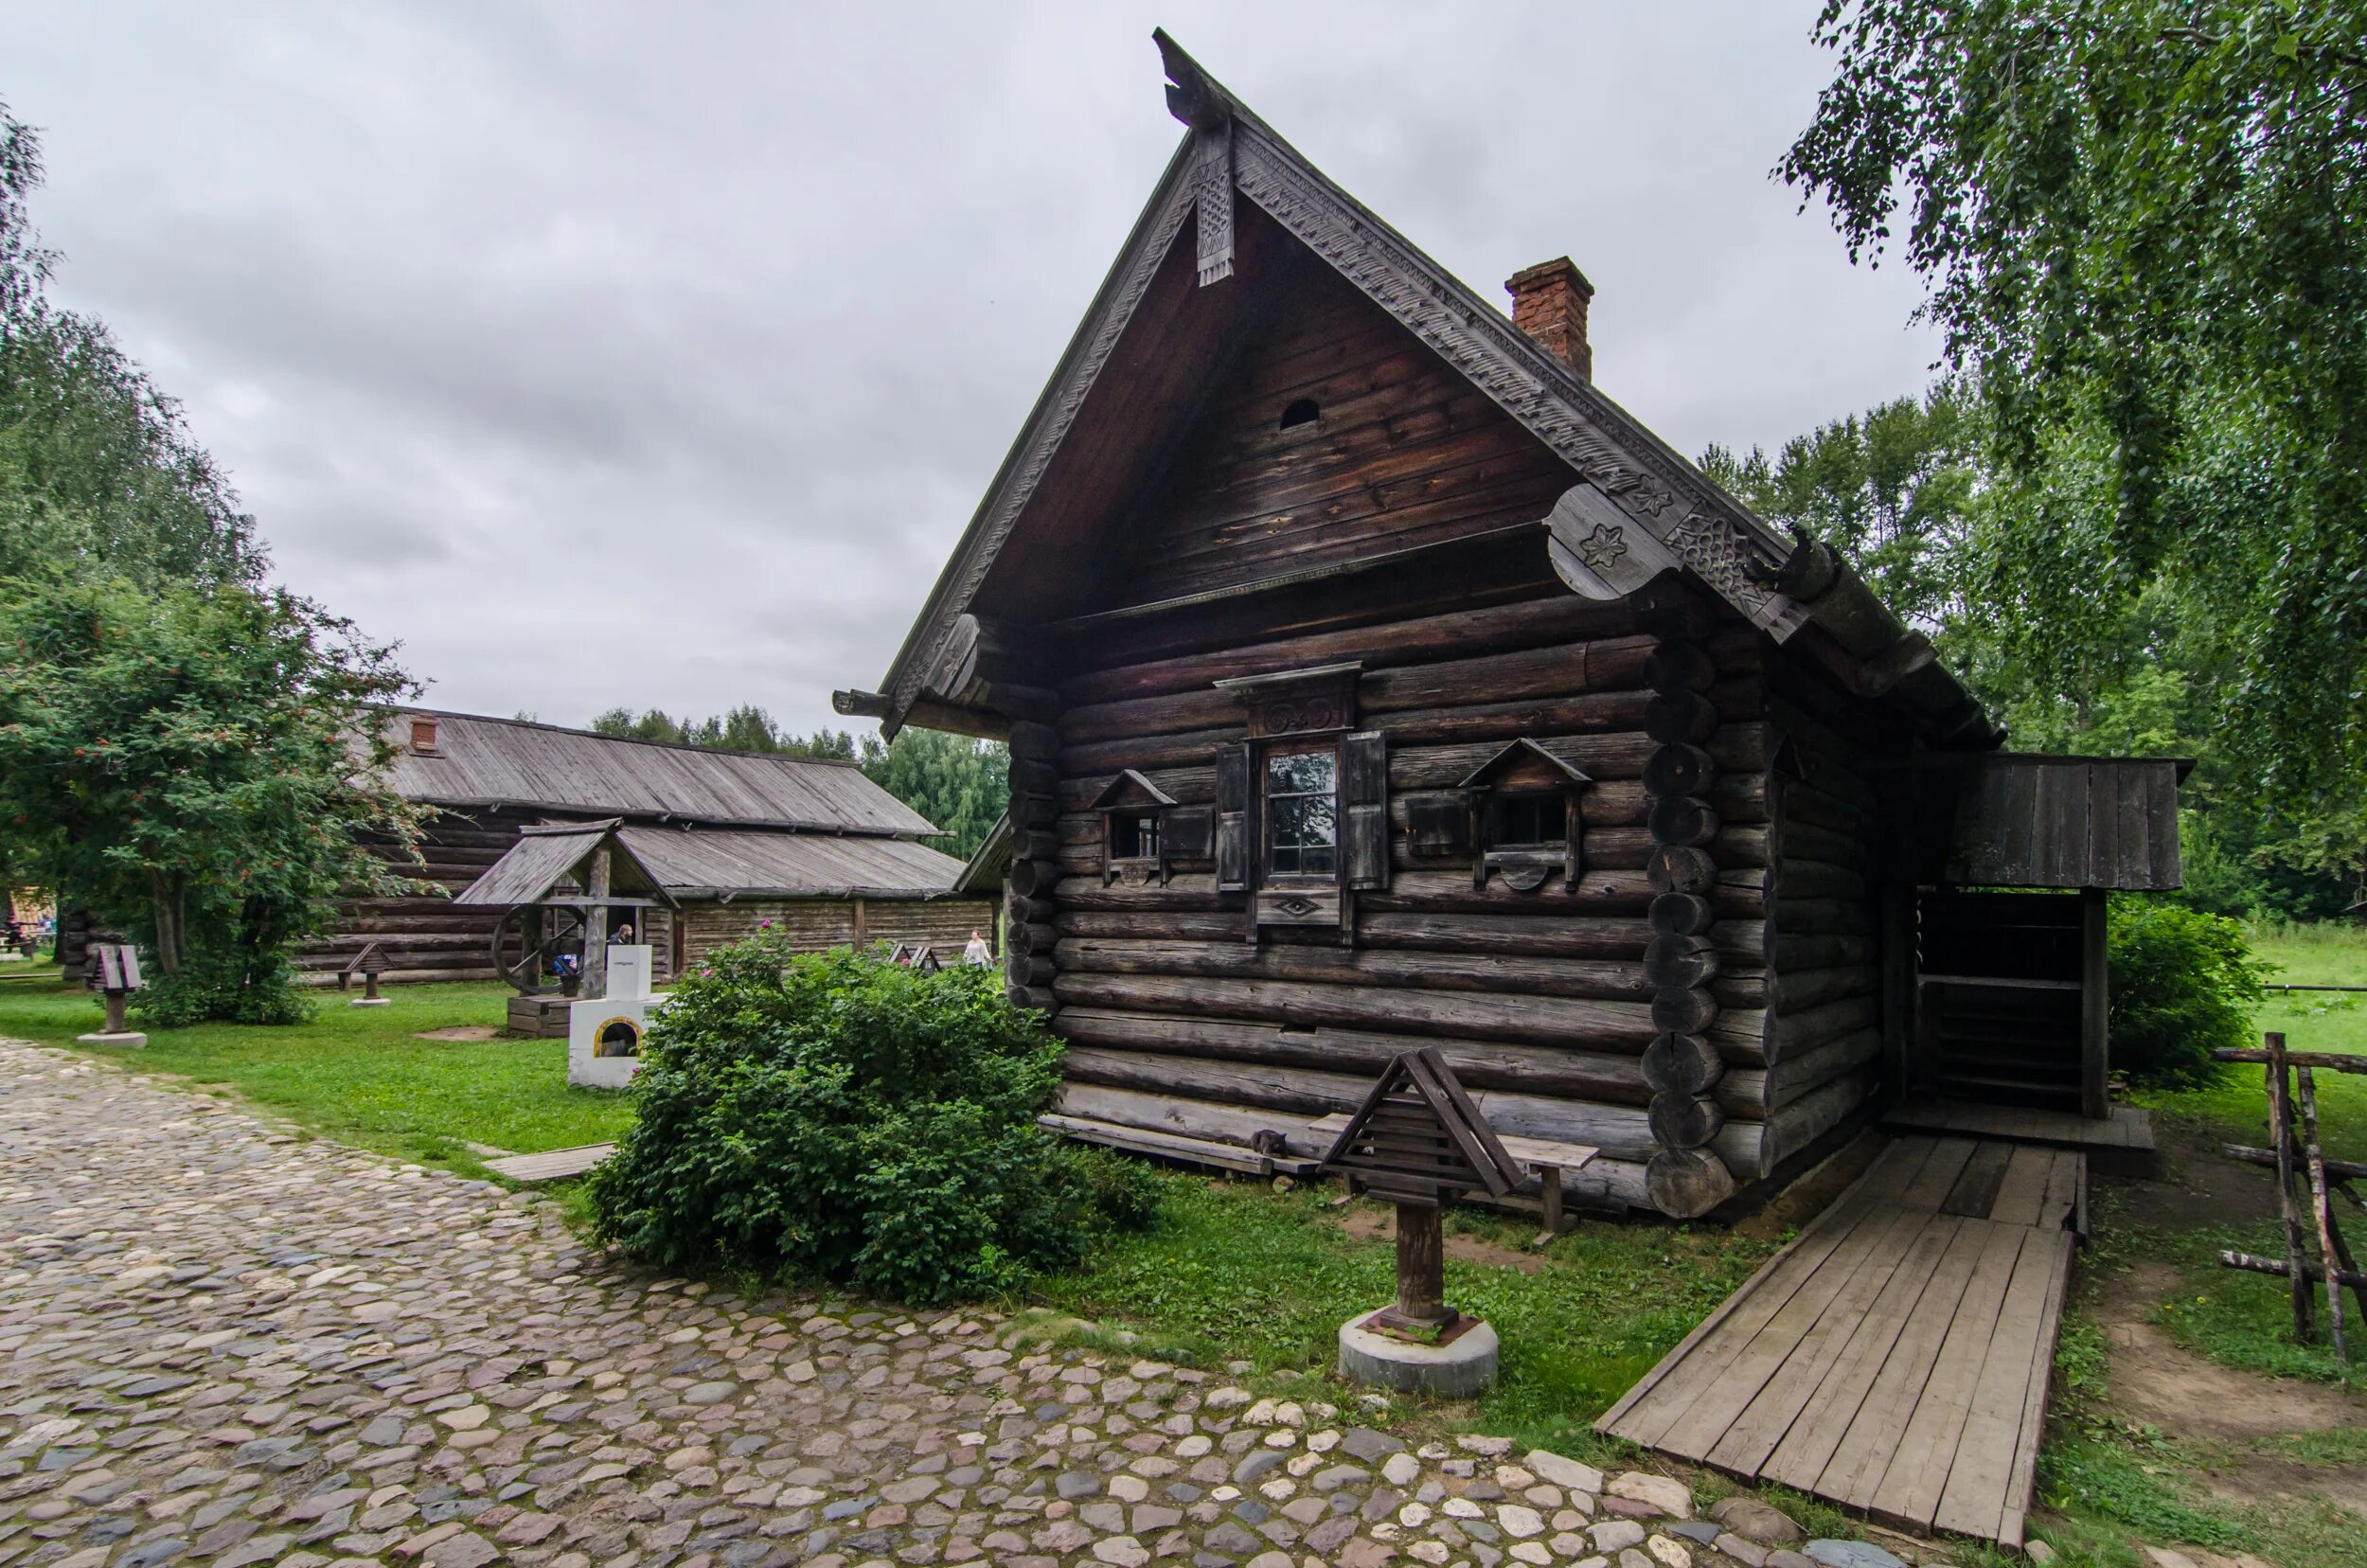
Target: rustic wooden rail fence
{"x": 2306, "y": 1179}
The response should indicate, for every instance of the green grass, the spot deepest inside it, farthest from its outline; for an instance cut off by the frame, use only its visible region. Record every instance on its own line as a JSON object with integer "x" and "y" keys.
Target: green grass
{"x": 1234, "y": 1271}
{"x": 360, "y": 1076}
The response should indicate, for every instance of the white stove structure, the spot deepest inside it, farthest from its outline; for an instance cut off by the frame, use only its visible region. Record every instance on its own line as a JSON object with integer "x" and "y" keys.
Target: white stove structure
{"x": 605, "y": 1033}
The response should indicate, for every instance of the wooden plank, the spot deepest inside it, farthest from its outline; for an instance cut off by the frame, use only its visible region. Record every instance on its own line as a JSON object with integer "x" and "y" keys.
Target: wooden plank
{"x": 1699, "y": 1365}
{"x": 1714, "y": 1413}
{"x": 1926, "y": 1452}
{"x": 1800, "y": 1459}
{"x": 2127, "y": 1127}
{"x": 1772, "y": 1413}
{"x": 1173, "y": 1145}
{"x": 551, "y": 1165}
{"x": 2021, "y": 1194}
{"x": 1975, "y": 1191}
{"x": 1930, "y": 1186}
{"x": 1854, "y": 1474}
{"x": 1978, "y": 1486}
{"x": 1610, "y": 1421}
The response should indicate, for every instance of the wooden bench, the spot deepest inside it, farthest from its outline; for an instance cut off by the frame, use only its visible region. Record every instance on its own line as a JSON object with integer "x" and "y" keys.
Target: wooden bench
{"x": 1542, "y": 1158}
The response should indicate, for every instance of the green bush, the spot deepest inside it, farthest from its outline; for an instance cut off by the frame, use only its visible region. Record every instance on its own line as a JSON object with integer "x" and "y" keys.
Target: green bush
{"x": 2184, "y": 985}
{"x": 838, "y": 1116}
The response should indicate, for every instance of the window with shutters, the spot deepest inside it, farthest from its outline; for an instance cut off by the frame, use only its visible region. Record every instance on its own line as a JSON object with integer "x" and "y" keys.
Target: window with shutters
{"x": 1302, "y": 809}
{"x": 1135, "y": 845}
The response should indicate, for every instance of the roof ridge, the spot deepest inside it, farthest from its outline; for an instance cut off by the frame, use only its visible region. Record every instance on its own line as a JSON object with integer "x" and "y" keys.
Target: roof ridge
{"x": 629, "y": 740}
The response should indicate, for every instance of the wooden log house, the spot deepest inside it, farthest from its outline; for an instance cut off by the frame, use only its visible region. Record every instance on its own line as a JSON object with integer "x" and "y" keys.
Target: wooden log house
{"x": 1374, "y": 681}
{"x": 810, "y": 845}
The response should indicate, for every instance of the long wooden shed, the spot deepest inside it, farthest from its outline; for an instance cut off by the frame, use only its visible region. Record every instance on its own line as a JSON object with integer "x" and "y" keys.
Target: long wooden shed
{"x": 1373, "y": 680}
{"x": 810, "y": 845}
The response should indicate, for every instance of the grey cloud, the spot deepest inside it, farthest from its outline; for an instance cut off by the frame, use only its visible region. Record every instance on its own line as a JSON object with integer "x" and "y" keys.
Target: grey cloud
{"x": 614, "y": 353}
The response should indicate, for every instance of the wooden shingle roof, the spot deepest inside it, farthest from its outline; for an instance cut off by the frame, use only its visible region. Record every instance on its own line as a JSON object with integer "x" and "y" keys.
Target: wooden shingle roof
{"x": 484, "y": 761}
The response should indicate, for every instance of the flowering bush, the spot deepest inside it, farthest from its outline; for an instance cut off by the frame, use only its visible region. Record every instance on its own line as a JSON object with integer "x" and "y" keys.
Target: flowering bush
{"x": 840, "y": 1116}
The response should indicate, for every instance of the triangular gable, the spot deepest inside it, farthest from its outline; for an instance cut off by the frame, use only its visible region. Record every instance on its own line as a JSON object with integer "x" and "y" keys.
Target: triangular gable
{"x": 1524, "y": 750}
{"x": 1418, "y": 1136}
{"x": 1636, "y": 508}
{"x": 548, "y": 854}
{"x": 1131, "y": 789}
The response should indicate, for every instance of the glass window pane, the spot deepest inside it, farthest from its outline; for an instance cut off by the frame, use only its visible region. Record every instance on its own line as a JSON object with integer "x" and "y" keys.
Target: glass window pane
{"x": 1299, "y": 773}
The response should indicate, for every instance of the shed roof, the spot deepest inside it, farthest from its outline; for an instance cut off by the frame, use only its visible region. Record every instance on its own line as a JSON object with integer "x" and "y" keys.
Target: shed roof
{"x": 692, "y": 863}
{"x": 480, "y": 760}
{"x": 2003, "y": 820}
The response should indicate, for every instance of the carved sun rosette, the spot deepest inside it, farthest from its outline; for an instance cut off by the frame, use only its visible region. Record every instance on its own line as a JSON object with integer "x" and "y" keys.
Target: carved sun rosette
{"x": 1606, "y": 544}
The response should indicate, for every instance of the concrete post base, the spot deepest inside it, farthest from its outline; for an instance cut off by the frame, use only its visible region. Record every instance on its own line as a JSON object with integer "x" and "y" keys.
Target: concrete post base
{"x": 127, "y": 1038}
{"x": 368, "y": 1001}
{"x": 1463, "y": 1367}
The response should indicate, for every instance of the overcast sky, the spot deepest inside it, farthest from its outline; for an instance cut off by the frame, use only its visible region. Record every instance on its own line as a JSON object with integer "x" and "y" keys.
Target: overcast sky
{"x": 657, "y": 355}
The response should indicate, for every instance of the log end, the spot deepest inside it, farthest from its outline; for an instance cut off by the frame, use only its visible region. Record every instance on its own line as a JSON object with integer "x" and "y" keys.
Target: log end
{"x": 1686, "y": 1184}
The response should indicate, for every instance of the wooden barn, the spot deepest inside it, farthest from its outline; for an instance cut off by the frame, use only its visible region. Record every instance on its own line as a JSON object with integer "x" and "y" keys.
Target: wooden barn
{"x": 1373, "y": 680}
{"x": 738, "y": 838}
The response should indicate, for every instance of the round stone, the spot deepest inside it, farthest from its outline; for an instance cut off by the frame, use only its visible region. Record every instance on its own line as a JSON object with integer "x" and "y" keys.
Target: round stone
{"x": 1457, "y": 1370}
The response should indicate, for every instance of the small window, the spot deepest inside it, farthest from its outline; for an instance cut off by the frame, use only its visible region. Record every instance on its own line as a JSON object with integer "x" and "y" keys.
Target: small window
{"x": 1303, "y": 412}
{"x": 1134, "y": 836}
{"x": 1302, "y": 813}
{"x": 1532, "y": 821}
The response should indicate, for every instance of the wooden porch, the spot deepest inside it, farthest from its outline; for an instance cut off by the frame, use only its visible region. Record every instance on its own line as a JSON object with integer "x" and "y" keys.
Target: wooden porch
{"x": 1895, "y": 1357}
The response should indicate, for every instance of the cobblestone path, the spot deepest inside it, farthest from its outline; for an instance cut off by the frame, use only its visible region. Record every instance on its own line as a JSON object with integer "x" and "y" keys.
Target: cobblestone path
{"x": 225, "y": 1344}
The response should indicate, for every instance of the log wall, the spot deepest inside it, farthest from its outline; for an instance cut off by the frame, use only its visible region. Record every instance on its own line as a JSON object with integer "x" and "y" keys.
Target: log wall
{"x": 426, "y": 936}
{"x": 814, "y": 925}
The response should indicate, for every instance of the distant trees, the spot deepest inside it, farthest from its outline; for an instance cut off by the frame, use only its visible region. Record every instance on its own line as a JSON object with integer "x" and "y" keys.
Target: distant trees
{"x": 957, "y": 783}
{"x": 1911, "y": 494}
{"x": 2143, "y": 228}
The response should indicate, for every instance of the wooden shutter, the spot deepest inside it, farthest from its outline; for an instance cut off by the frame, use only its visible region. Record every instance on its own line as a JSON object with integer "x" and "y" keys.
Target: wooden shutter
{"x": 1188, "y": 833}
{"x": 1235, "y": 846}
{"x": 1364, "y": 803}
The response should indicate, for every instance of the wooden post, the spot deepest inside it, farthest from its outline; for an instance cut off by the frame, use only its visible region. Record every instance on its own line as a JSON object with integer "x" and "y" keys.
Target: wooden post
{"x": 2094, "y": 1007}
{"x": 2281, "y": 1138}
{"x": 860, "y": 925}
{"x": 1421, "y": 1268}
{"x": 369, "y": 986}
{"x": 595, "y": 926}
{"x": 113, "y": 999}
{"x": 2321, "y": 1210}
{"x": 1549, "y": 1202}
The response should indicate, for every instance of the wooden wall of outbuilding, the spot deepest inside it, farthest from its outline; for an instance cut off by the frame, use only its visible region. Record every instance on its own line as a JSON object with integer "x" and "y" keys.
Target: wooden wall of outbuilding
{"x": 813, "y": 925}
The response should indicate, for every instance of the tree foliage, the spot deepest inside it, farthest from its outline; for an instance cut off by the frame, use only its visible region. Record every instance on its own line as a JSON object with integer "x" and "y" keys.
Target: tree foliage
{"x": 838, "y": 1116}
{"x": 2144, "y": 226}
{"x": 197, "y": 762}
{"x": 97, "y": 467}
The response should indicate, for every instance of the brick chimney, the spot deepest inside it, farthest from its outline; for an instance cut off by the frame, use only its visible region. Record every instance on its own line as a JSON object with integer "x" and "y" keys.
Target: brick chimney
{"x": 1549, "y": 304}
{"x": 424, "y": 734}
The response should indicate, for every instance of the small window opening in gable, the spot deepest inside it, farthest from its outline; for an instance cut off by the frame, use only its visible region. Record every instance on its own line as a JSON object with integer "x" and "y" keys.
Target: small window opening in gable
{"x": 1134, "y": 835}
{"x": 1302, "y": 411}
{"x": 1532, "y": 821}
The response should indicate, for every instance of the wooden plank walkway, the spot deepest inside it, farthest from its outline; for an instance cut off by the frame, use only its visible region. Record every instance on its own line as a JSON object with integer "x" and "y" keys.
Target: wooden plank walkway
{"x": 1893, "y": 1358}
{"x": 554, "y": 1164}
{"x": 2127, "y": 1126}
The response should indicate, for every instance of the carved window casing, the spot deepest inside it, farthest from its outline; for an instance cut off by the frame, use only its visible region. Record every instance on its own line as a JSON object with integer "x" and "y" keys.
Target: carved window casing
{"x": 1144, "y": 832}
{"x": 1517, "y": 817}
{"x": 1303, "y": 803}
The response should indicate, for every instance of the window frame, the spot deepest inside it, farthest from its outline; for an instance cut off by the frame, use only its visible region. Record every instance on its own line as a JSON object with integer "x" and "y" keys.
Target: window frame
{"x": 1266, "y": 754}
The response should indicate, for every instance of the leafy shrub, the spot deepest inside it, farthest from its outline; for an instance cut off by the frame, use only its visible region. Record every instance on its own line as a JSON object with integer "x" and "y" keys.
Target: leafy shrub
{"x": 2184, "y": 985}
{"x": 840, "y": 1116}
{"x": 226, "y": 985}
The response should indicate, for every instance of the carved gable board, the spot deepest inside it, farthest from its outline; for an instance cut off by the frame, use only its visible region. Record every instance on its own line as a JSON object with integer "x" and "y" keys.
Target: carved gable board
{"x": 1417, "y": 1137}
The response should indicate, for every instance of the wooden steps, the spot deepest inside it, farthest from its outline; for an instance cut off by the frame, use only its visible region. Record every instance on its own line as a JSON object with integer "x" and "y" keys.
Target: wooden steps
{"x": 1895, "y": 1357}
{"x": 2127, "y": 1127}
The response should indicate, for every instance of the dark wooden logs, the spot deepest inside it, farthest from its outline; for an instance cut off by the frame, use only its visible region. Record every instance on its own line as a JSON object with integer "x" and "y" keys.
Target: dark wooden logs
{"x": 1680, "y": 868}
{"x": 1682, "y": 1064}
{"x": 1686, "y": 1184}
{"x": 1681, "y": 961}
{"x": 1031, "y": 938}
{"x": 1538, "y": 1020}
{"x": 1673, "y": 666}
{"x": 1672, "y": 717}
{"x": 1678, "y": 771}
{"x": 1685, "y": 1121}
{"x": 1681, "y": 914}
{"x": 1683, "y": 1009}
{"x": 1456, "y": 972}
{"x": 2340, "y": 1170}
{"x": 1020, "y": 910}
{"x": 1682, "y": 820}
